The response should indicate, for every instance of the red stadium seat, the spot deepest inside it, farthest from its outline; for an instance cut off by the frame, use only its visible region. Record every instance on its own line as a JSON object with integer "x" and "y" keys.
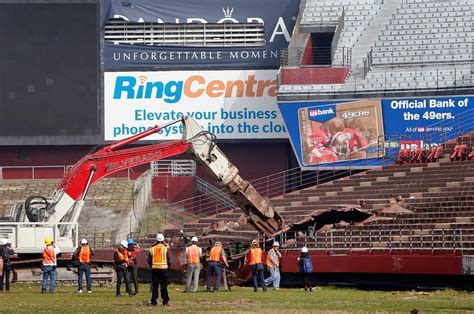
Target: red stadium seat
{"x": 454, "y": 155}
{"x": 471, "y": 154}
{"x": 418, "y": 156}
{"x": 436, "y": 153}
{"x": 404, "y": 156}
{"x": 462, "y": 152}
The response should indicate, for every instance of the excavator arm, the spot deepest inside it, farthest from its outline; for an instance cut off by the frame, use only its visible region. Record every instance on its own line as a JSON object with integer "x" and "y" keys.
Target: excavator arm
{"x": 66, "y": 203}
{"x": 259, "y": 210}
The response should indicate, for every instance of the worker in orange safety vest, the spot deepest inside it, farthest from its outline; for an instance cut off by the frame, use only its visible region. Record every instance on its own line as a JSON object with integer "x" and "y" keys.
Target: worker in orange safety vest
{"x": 50, "y": 253}
{"x": 254, "y": 259}
{"x": 121, "y": 258}
{"x": 273, "y": 266}
{"x": 193, "y": 256}
{"x": 216, "y": 259}
{"x": 159, "y": 259}
{"x": 82, "y": 256}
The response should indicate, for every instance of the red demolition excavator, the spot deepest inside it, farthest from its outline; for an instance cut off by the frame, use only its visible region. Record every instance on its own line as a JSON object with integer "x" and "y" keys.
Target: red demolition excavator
{"x": 56, "y": 216}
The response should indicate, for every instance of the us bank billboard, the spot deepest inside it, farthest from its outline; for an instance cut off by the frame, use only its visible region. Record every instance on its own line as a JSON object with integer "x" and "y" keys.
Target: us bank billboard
{"x": 360, "y": 133}
{"x": 238, "y": 104}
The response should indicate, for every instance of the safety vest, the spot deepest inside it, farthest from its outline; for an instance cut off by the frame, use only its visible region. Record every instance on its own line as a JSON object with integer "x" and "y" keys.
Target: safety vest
{"x": 123, "y": 256}
{"x": 193, "y": 254}
{"x": 215, "y": 254}
{"x": 255, "y": 256}
{"x": 49, "y": 258}
{"x": 84, "y": 255}
{"x": 270, "y": 264}
{"x": 159, "y": 256}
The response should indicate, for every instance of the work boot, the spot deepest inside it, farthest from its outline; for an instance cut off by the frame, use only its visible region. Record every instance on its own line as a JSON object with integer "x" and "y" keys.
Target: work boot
{"x": 43, "y": 290}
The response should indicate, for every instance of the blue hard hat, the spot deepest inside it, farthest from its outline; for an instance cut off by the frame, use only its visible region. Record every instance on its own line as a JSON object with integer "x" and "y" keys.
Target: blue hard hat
{"x": 130, "y": 241}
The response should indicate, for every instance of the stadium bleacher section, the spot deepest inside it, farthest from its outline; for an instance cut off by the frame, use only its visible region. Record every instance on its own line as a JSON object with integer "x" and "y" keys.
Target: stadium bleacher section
{"x": 409, "y": 45}
{"x": 437, "y": 198}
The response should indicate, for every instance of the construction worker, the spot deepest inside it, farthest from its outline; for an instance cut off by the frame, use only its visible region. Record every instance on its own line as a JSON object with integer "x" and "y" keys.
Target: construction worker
{"x": 273, "y": 266}
{"x": 306, "y": 268}
{"x": 121, "y": 258}
{"x": 193, "y": 256}
{"x": 50, "y": 253}
{"x": 3, "y": 243}
{"x": 254, "y": 259}
{"x": 159, "y": 259}
{"x": 134, "y": 249}
{"x": 216, "y": 259}
{"x": 5, "y": 253}
{"x": 83, "y": 255}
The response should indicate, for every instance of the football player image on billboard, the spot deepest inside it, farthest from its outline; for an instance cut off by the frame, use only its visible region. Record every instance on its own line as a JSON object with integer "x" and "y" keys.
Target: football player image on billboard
{"x": 347, "y": 131}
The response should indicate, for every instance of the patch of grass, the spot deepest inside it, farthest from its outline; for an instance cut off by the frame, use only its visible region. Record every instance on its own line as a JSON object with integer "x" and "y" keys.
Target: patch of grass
{"x": 26, "y": 298}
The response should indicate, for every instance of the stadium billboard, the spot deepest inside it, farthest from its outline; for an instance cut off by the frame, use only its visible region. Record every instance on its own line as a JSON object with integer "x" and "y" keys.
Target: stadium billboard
{"x": 278, "y": 17}
{"x": 238, "y": 104}
{"x": 359, "y": 133}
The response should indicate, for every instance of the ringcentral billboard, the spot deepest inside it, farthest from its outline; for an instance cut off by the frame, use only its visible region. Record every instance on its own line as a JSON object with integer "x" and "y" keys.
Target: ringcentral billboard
{"x": 238, "y": 104}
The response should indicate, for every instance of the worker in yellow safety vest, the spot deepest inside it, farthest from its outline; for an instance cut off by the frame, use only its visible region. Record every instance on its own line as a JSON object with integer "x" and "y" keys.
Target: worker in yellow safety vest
{"x": 193, "y": 256}
{"x": 82, "y": 258}
{"x": 216, "y": 259}
{"x": 50, "y": 253}
{"x": 159, "y": 259}
{"x": 254, "y": 259}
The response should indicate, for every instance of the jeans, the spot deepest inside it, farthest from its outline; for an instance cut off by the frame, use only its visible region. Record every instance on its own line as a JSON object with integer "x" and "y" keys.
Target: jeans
{"x": 274, "y": 278}
{"x": 49, "y": 272}
{"x": 192, "y": 271}
{"x": 84, "y": 268}
{"x": 257, "y": 276}
{"x": 307, "y": 281}
{"x": 214, "y": 268}
{"x": 5, "y": 277}
{"x": 159, "y": 277}
{"x": 123, "y": 273}
{"x": 133, "y": 277}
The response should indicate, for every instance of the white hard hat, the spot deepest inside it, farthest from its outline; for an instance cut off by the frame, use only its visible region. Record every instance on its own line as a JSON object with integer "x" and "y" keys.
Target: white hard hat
{"x": 194, "y": 239}
{"x": 304, "y": 249}
{"x": 124, "y": 243}
{"x": 83, "y": 241}
{"x": 3, "y": 241}
{"x": 276, "y": 243}
{"x": 160, "y": 237}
